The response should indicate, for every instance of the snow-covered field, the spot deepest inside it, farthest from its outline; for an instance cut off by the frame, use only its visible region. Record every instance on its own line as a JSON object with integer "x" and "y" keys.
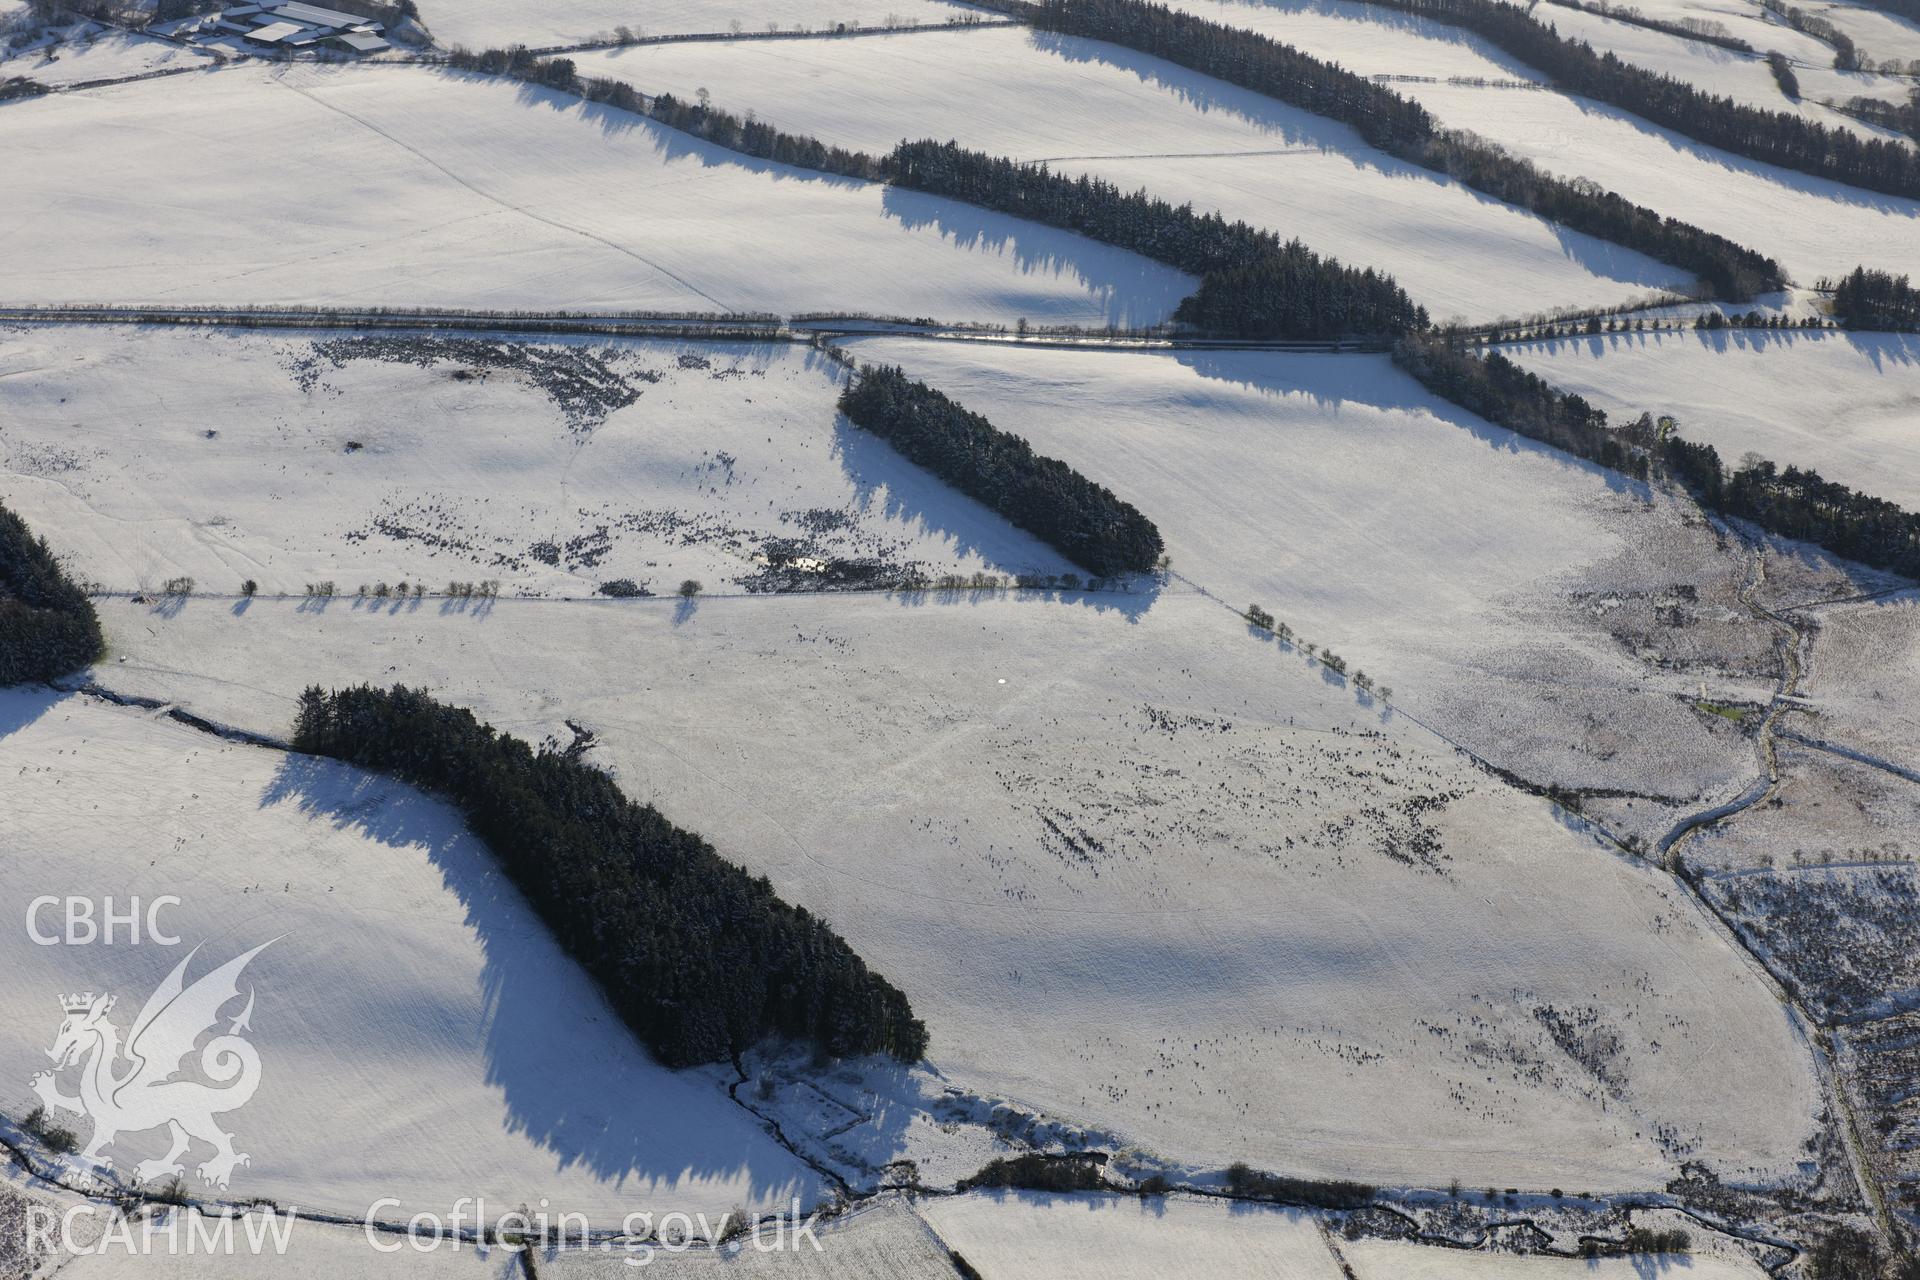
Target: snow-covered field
{"x": 1743, "y": 77}
{"x": 405, "y": 186}
{"x": 1744, "y": 19}
{"x": 1865, "y": 685}
{"x": 1140, "y": 122}
{"x": 1811, "y": 226}
{"x": 1880, "y": 34}
{"x": 483, "y": 24}
{"x": 1368, "y": 39}
{"x": 421, "y": 1036}
{"x": 1390, "y": 1260}
{"x": 1029, "y": 1236}
{"x": 552, "y": 468}
{"x": 1135, "y": 866}
{"x": 1514, "y": 597}
{"x": 1844, "y": 404}
{"x": 1171, "y": 892}
{"x": 312, "y": 1251}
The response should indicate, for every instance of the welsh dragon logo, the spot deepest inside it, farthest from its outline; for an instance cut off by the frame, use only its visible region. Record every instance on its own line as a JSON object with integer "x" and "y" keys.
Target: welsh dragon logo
{"x": 131, "y": 1088}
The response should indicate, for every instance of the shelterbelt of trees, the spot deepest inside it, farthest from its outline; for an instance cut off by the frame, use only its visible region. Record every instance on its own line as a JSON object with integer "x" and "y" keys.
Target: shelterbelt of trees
{"x": 1252, "y": 284}
{"x": 1082, "y": 520}
{"x": 698, "y": 957}
{"x": 1788, "y": 501}
{"x": 1403, "y": 128}
{"x": 1775, "y": 137}
{"x": 47, "y": 625}
{"x": 1877, "y": 300}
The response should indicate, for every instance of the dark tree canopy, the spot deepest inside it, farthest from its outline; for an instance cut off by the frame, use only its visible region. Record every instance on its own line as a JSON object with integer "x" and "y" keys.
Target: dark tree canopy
{"x": 1253, "y": 283}
{"x": 1403, "y": 128}
{"x": 47, "y": 625}
{"x": 698, "y": 957}
{"x": 1877, "y": 300}
{"x": 1081, "y": 520}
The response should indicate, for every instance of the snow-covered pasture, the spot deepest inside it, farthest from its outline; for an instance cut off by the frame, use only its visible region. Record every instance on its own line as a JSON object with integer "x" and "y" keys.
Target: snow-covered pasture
{"x": 482, "y": 24}
{"x": 311, "y": 1251}
{"x": 1813, "y": 227}
{"x": 883, "y": 1240}
{"x": 1509, "y": 593}
{"x": 421, "y": 1036}
{"x": 1141, "y": 122}
{"x": 1743, "y": 19}
{"x": 1865, "y": 681}
{"x": 1743, "y": 77}
{"x": 1844, "y": 404}
{"x": 1136, "y": 867}
{"x": 405, "y": 186}
{"x": 1033, "y": 1236}
{"x": 294, "y": 458}
{"x": 1879, "y": 34}
{"x": 1392, "y": 1260}
{"x": 1367, "y": 39}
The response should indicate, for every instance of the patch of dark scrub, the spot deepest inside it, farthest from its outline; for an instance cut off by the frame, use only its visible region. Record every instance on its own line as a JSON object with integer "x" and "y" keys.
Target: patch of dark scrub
{"x": 810, "y": 574}
{"x": 1584, "y": 1038}
{"x": 582, "y": 383}
{"x": 1846, "y": 938}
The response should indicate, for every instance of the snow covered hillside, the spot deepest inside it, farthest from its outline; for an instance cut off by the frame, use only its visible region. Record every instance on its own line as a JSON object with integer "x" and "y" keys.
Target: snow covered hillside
{"x": 464, "y": 192}
{"x": 1086, "y": 106}
{"x": 1250, "y": 749}
{"x": 481, "y": 24}
{"x": 1843, "y": 404}
{"x": 1135, "y": 865}
{"x": 421, "y": 1037}
{"x": 401, "y": 460}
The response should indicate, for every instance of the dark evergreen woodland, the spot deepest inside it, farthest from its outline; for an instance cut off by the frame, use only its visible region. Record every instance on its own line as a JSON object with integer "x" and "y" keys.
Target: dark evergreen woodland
{"x": 1082, "y": 520}
{"x": 1877, "y": 300}
{"x": 1908, "y": 9}
{"x": 698, "y": 957}
{"x": 47, "y": 625}
{"x": 1254, "y": 284}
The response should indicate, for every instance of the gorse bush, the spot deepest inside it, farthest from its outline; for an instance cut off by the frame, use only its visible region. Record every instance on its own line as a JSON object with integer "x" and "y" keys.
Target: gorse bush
{"x": 698, "y": 957}
{"x": 47, "y": 625}
{"x": 1081, "y": 520}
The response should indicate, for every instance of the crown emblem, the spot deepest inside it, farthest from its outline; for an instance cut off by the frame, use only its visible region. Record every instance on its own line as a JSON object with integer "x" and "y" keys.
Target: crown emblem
{"x": 77, "y": 1003}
